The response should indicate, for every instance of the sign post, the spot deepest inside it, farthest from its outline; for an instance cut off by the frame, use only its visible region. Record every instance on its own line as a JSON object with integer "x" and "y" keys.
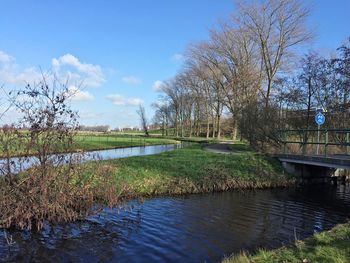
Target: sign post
{"x": 320, "y": 120}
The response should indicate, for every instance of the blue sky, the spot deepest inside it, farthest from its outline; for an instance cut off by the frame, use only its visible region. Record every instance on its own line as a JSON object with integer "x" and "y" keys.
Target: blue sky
{"x": 121, "y": 48}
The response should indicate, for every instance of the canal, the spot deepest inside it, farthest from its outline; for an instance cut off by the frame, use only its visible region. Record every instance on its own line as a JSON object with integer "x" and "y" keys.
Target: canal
{"x": 193, "y": 228}
{"x": 19, "y": 164}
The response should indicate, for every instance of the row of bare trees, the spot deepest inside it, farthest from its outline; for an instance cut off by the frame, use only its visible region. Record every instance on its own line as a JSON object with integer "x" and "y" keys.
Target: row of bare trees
{"x": 246, "y": 73}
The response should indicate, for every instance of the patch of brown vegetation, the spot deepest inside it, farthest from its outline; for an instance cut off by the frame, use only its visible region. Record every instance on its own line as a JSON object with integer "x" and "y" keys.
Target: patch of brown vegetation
{"x": 60, "y": 195}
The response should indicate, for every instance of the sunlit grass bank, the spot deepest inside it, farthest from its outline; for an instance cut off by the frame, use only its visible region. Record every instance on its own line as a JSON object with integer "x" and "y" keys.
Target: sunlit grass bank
{"x": 329, "y": 246}
{"x": 108, "y": 141}
{"x": 90, "y": 142}
{"x": 194, "y": 170}
{"x": 86, "y": 185}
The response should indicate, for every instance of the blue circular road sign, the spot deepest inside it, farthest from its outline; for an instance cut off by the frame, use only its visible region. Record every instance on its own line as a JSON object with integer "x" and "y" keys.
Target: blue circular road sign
{"x": 320, "y": 119}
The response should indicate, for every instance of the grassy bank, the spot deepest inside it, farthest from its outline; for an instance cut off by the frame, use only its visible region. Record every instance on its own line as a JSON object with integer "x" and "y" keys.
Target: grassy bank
{"x": 67, "y": 193}
{"x": 194, "y": 170}
{"x": 95, "y": 141}
{"x": 329, "y": 246}
{"x": 110, "y": 141}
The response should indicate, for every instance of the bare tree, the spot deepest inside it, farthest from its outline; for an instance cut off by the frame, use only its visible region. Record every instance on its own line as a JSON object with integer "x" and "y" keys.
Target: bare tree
{"x": 201, "y": 86}
{"x": 162, "y": 112}
{"x": 238, "y": 64}
{"x": 143, "y": 119}
{"x": 55, "y": 188}
{"x": 206, "y": 55}
{"x": 276, "y": 26}
{"x": 173, "y": 93}
{"x": 52, "y": 123}
{"x": 308, "y": 81}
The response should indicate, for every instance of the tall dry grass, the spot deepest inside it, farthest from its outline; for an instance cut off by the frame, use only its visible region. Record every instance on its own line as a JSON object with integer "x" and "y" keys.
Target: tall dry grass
{"x": 63, "y": 194}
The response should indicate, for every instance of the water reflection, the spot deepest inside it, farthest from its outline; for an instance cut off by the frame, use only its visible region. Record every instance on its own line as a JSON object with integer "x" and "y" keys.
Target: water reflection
{"x": 193, "y": 228}
{"x": 19, "y": 164}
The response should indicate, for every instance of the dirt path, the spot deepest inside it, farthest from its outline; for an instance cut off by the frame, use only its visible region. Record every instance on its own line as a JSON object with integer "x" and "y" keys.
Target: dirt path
{"x": 223, "y": 147}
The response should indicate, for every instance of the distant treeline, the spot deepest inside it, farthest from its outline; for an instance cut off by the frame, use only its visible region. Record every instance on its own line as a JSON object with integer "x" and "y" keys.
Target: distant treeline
{"x": 97, "y": 128}
{"x": 104, "y": 128}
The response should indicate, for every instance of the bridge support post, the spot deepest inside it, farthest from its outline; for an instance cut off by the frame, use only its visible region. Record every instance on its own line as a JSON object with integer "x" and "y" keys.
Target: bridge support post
{"x": 309, "y": 173}
{"x": 334, "y": 180}
{"x": 343, "y": 179}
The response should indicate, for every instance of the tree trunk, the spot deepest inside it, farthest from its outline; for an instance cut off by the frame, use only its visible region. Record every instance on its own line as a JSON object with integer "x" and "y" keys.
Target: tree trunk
{"x": 218, "y": 126}
{"x": 269, "y": 86}
{"x": 182, "y": 124}
{"x": 234, "y": 130}
{"x": 208, "y": 120}
{"x": 218, "y": 129}
{"x": 214, "y": 126}
{"x": 176, "y": 123}
{"x": 166, "y": 126}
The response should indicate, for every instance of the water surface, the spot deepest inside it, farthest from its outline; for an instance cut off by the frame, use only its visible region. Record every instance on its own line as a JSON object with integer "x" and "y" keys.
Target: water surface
{"x": 19, "y": 164}
{"x": 194, "y": 228}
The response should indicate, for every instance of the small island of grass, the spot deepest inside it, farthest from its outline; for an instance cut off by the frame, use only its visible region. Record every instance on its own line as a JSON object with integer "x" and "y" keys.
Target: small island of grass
{"x": 195, "y": 170}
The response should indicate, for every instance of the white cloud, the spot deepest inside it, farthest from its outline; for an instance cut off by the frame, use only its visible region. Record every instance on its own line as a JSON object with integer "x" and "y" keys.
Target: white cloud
{"x": 92, "y": 75}
{"x": 28, "y": 75}
{"x": 120, "y": 100}
{"x": 158, "y": 85}
{"x": 10, "y": 73}
{"x": 79, "y": 95}
{"x": 131, "y": 80}
{"x": 88, "y": 75}
{"x": 5, "y": 58}
{"x": 177, "y": 57}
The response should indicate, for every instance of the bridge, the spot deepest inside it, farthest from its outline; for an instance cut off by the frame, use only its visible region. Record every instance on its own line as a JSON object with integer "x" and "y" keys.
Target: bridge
{"x": 315, "y": 154}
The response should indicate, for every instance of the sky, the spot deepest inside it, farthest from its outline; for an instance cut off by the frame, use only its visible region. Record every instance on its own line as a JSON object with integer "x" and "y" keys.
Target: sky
{"x": 117, "y": 52}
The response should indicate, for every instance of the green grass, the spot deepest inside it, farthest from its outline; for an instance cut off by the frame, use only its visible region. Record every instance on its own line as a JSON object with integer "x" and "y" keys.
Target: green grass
{"x": 109, "y": 141}
{"x": 88, "y": 141}
{"x": 95, "y": 141}
{"x": 241, "y": 147}
{"x": 194, "y": 170}
{"x": 171, "y": 131}
{"x": 189, "y": 139}
{"x": 330, "y": 246}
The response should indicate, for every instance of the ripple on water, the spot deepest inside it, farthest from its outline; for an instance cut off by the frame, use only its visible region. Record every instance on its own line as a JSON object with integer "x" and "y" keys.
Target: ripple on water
{"x": 194, "y": 228}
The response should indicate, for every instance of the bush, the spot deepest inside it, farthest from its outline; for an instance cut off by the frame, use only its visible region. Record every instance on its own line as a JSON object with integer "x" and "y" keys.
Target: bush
{"x": 63, "y": 195}
{"x": 55, "y": 190}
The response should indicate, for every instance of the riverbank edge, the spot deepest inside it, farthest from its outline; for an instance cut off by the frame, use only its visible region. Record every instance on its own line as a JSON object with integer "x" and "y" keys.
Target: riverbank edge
{"x": 183, "y": 171}
{"x": 156, "y": 175}
{"x": 95, "y": 149}
{"x": 326, "y": 246}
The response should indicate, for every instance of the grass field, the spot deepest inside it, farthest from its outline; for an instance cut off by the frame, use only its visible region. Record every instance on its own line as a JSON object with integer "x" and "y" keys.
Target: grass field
{"x": 194, "y": 170}
{"x": 330, "y": 246}
{"x": 108, "y": 141}
{"x": 96, "y": 141}
{"x": 88, "y": 141}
